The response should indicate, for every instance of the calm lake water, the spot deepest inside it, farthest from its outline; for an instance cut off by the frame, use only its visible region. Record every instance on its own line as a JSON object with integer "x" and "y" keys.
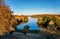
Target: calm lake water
{"x": 32, "y": 22}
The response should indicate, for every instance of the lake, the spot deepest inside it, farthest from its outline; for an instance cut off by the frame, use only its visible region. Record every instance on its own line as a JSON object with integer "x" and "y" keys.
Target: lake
{"x": 32, "y": 23}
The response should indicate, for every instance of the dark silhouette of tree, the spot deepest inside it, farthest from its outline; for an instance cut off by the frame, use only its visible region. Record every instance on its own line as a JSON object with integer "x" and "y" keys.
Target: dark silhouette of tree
{"x": 46, "y": 21}
{"x": 15, "y": 26}
{"x": 26, "y": 29}
{"x": 18, "y": 21}
{"x": 58, "y": 29}
{"x": 57, "y": 22}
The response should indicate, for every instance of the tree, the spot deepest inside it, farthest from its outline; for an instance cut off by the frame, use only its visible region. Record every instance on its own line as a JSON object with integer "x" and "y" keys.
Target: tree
{"x": 46, "y": 21}
{"x": 26, "y": 29}
{"x": 2, "y": 2}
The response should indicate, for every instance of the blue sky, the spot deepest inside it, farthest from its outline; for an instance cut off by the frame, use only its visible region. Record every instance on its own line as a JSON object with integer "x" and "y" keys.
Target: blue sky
{"x": 29, "y": 7}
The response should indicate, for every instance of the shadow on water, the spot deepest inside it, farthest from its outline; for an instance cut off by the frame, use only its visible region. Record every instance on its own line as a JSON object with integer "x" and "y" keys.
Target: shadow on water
{"x": 32, "y": 22}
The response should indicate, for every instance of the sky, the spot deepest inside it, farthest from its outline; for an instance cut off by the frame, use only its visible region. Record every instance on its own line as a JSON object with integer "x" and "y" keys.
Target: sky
{"x": 31, "y": 7}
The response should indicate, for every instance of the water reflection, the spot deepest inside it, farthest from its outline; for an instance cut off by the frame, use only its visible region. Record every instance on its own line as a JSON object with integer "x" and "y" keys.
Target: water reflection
{"x": 32, "y": 22}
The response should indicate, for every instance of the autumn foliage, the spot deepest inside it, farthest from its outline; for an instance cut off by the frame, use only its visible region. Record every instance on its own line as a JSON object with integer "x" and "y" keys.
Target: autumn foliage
{"x": 7, "y": 20}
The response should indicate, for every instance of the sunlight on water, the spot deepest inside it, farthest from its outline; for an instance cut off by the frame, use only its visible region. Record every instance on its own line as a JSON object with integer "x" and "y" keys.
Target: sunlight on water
{"x": 32, "y": 22}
